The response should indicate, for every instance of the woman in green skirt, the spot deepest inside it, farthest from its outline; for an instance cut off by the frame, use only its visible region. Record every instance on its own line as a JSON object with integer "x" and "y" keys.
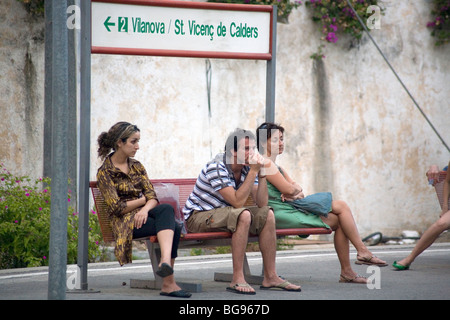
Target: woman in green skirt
{"x": 293, "y": 210}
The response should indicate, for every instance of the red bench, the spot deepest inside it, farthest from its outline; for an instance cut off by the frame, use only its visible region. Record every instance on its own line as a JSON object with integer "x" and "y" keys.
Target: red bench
{"x": 195, "y": 240}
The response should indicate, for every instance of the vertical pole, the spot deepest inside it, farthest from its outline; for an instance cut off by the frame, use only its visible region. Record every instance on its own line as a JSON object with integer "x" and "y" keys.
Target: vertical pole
{"x": 72, "y": 124}
{"x": 48, "y": 91}
{"x": 85, "y": 135}
{"x": 59, "y": 203}
{"x": 271, "y": 71}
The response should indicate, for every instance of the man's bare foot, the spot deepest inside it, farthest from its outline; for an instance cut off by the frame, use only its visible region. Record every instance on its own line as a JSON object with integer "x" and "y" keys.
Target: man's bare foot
{"x": 280, "y": 284}
{"x": 241, "y": 288}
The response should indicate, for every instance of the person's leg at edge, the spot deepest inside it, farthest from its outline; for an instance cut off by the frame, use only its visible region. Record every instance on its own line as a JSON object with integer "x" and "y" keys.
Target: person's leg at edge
{"x": 268, "y": 246}
{"x": 427, "y": 239}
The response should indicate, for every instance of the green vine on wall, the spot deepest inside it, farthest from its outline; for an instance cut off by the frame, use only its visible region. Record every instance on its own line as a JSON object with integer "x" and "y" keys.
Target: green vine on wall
{"x": 335, "y": 17}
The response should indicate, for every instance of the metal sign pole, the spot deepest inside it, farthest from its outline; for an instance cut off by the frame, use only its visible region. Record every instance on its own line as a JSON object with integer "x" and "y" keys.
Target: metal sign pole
{"x": 59, "y": 169}
{"x": 85, "y": 135}
{"x": 271, "y": 71}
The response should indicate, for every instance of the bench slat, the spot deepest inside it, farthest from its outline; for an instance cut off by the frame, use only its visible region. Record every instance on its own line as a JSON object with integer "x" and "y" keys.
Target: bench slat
{"x": 102, "y": 215}
{"x": 226, "y": 235}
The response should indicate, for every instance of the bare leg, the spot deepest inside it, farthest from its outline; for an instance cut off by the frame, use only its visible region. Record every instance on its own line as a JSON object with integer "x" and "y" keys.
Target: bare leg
{"x": 238, "y": 245}
{"x": 346, "y": 221}
{"x": 427, "y": 239}
{"x": 169, "y": 284}
{"x": 342, "y": 222}
{"x": 341, "y": 245}
{"x": 165, "y": 239}
{"x": 348, "y": 226}
{"x": 268, "y": 246}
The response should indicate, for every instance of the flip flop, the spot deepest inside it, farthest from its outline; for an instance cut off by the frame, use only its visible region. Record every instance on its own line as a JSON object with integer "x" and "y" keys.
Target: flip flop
{"x": 164, "y": 270}
{"x": 368, "y": 261}
{"x": 242, "y": 285}
{"x": 177, "y": 294}
{"x": 399, "y": 266}
{"x": 281, "y": 286}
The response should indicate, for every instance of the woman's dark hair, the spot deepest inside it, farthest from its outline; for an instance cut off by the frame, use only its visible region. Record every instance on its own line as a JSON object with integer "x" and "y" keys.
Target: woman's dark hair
{"x": 264, "y": 133}
{"x": 108, "y": 140}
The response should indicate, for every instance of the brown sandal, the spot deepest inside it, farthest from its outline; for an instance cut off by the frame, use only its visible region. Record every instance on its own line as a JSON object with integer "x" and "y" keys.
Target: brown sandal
{"x": 356, "y": 279}
{"x": 368, "y": 261}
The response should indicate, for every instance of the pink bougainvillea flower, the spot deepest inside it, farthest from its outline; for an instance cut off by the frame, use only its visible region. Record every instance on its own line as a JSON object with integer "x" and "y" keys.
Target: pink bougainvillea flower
{"x": 331, "y": 37}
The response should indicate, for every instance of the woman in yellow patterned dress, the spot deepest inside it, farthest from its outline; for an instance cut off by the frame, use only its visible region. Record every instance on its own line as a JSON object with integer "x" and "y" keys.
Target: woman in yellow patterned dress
{"x": 132, "y": 204}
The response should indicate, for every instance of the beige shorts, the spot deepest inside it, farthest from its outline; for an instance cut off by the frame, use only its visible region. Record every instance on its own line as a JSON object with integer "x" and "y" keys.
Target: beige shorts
{"x": 225, "y": 219}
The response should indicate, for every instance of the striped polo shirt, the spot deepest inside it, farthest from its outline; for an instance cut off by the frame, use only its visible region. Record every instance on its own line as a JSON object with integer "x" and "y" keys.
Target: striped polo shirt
{"x": 214, "y": 176}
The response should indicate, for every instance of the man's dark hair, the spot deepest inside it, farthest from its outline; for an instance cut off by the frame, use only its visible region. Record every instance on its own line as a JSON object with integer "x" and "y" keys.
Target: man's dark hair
{"x": 235, "y": 137}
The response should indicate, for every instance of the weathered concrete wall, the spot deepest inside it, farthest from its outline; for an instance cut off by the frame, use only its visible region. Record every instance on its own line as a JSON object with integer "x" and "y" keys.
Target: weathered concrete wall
{"x": 351, "y": 128}
{"x": 21, "y": 89}
{"x": 379, "y": 143}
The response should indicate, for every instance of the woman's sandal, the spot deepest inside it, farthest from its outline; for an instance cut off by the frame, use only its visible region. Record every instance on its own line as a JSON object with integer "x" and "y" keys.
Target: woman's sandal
{"x": 368, "y": 261}
{"x": 399, "y": 266}
{"x": 177, "y": 294}
{"x": 356, "y": 279}
{"x": 164, "y": 270}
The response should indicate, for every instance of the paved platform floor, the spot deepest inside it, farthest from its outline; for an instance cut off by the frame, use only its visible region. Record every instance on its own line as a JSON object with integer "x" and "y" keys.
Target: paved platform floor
{"x": 315, "y": 269}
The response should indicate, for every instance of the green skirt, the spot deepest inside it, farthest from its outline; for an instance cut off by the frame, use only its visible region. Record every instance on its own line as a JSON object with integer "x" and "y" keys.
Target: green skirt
{"x": 287, "y": 217}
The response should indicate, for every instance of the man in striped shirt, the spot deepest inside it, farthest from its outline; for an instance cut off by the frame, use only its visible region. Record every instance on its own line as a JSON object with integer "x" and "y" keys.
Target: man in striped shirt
{"x": 218, "y": 203}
